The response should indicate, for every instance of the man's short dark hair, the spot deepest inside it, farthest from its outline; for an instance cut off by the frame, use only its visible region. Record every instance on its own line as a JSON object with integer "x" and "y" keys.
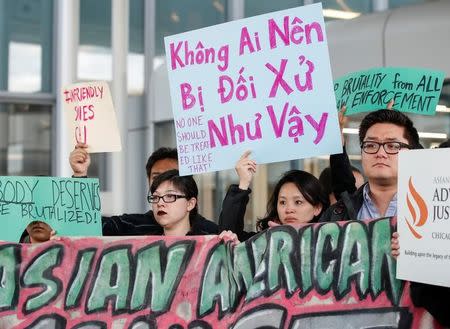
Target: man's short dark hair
{"x": 393, "y": 117}
{"x": 160, "y": 154}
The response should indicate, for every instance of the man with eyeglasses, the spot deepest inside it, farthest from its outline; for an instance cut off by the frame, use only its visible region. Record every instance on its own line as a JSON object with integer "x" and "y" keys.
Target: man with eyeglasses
{"x": 382, "y": 135}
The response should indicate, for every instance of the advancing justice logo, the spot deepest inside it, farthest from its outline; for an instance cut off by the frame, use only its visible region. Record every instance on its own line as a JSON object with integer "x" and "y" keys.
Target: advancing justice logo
{"x": 418, "y": 219}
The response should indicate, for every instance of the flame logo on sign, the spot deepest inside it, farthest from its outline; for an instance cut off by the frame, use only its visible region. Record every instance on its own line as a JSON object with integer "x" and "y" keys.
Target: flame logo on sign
{"x": 420, "y": 219}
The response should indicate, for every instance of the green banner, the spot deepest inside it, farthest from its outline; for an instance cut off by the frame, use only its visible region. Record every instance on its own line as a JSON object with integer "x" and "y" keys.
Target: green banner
{"x": 413, "y": 90}
{"x": 71, "y": 206}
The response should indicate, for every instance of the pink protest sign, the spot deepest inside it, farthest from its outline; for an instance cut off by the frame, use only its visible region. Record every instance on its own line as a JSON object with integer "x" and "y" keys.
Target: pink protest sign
{"x": 332, "y": 275}
{"x": 262, "y": 84}
{"x": 90, "y": 116}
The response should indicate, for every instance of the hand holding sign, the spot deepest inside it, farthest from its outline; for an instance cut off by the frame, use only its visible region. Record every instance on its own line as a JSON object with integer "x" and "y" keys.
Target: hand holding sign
{"x": 342, "y": 122}
{"x": 245, "y": 168}
{"x": 395, "y": 245}
{"x": 80, "y": 160}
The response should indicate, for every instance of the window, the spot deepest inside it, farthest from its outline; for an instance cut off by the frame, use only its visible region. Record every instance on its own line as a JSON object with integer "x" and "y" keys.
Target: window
{"x": 174, "y": 16}
{"x": 26, "y": 45}
{"x": 259, "y": 7}
{"x": 25, "y": 139}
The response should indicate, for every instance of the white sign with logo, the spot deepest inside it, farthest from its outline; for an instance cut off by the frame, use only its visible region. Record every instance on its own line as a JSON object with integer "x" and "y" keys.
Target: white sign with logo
{"x": 424, "y": 216}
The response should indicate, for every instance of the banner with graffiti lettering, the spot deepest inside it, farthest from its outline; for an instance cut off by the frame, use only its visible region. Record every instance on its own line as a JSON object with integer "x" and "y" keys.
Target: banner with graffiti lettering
{"x": 331, "y": 275}
{"x": 263, "y": 84}
{"x": 424, "y": 216}
{"x": 90, "y": 116}
{"x": 413, "y": 90}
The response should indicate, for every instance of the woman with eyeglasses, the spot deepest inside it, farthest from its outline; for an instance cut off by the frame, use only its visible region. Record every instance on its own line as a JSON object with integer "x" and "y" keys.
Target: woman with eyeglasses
{"x": 174, "y": 204}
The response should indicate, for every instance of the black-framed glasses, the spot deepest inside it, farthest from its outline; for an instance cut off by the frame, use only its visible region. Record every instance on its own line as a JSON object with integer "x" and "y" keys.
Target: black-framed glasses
{"x": 167, "y": 198}
{"x": 371, "y": 147}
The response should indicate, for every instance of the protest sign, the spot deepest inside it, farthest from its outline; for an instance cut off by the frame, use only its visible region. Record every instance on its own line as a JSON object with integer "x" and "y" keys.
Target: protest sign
{"x": 262, "y": 84}
{"x": 71, "y": 206}
{"x": 328, "y": 275}
{"x": 424, "y": 216}
{"x": 413, "y": 90}
{"x": 90, "y": 116}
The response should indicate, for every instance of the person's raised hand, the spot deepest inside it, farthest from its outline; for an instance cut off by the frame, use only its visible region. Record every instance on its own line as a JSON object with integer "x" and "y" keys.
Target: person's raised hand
{"x": 342, "y": 121}
{"x": 80, "y": 160}
{"x": 390, "y": 104}
{"x": 245, "y": 168}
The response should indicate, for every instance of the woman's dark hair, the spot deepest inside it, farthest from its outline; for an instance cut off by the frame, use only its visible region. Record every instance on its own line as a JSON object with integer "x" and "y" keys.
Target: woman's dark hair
{"x": 325, "y": 181}
{"x": 186, "y": 185}
{"x": 308, "y": 185}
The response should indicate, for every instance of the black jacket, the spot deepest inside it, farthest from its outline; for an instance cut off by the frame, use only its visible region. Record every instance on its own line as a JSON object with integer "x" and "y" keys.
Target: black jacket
{"x": 434, "y": 299}
{"x": 145, "y": 224}
{"x": 346, "y": 208}
{"x": 233, "y": 210}
{"x": 342, "y": 179}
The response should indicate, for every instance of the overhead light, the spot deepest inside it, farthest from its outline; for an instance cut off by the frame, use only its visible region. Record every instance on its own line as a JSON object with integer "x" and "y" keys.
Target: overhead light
{"x": 174, "y": 17}
{"x": 340, "y": 14}
{"x": 351, "y": 131}
{"x": 432, "y": 135}
{"x": 219, "y": 7}
{"x": 442, "y": 108}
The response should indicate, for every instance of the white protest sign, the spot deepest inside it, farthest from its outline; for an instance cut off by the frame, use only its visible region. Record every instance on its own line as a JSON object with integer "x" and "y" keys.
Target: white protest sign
{"x": 90, "y": 116}
{"x": 263, "y": 84}
{"x": 424, "y": 216}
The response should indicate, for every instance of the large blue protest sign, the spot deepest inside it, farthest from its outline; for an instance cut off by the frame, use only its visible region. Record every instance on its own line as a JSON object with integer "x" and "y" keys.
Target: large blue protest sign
{"x": 263, "y": 84}
{"x": 413, "y": 90}
{"x": 71, "y": 206}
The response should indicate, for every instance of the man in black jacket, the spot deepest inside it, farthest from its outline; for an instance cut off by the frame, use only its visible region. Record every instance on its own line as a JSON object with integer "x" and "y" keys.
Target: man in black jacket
{"x": 434, "y": 299}
{"x": 162, "y": 160}
{"x": 382, "y": 135}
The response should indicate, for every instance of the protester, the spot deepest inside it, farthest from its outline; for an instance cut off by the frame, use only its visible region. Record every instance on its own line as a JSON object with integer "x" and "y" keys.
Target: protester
{"x": 174, "y": 203}
{"x": 37, "y": 232}
{"x": 382, "y": 134}
{"x": 343, "y": 176}
{"x": 297, "y": 198}
{"x": 163, "y": 159}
